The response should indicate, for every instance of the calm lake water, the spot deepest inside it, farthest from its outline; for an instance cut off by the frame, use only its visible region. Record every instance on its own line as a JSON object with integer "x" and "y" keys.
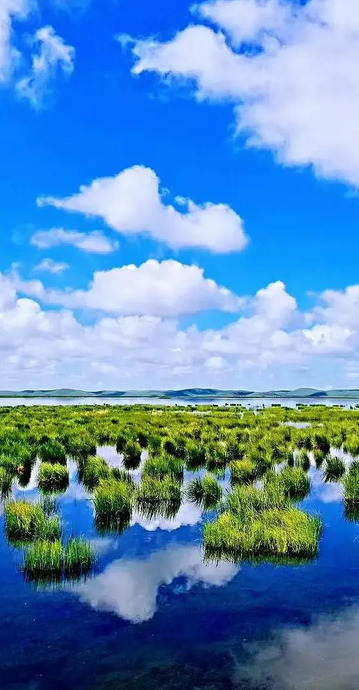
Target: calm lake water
{"x": 155, "y": 615}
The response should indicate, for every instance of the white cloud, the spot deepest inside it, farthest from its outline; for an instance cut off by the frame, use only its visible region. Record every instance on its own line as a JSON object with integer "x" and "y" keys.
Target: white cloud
{"x": 155, "y": 288}
{"x": 129, "y": 588}
{"x": 51, "y": 266}
{"x": 10, "y": 11}
{"x": 52, "y": 58}
{"x": 92, "y": 242}
{"x": 295, "y": 93}
{"x": 132, "y": 203}
{"x": 271, "y": 345}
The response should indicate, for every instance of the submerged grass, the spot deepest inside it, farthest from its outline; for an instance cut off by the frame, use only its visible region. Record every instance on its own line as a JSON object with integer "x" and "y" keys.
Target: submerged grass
{"x": 44, "y": 558}
{"x": 78, "y": 556}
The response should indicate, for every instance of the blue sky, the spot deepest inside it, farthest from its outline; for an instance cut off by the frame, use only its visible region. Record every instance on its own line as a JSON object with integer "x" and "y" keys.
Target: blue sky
{"x": 236, "y": 104}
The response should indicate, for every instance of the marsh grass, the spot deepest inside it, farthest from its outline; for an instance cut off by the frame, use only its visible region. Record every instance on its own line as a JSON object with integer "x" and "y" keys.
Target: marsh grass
{"x": 52, "y": 451}
{"x": 294, "y": 482}
{"x": 113, "y": 503}
{"x": 78, "y": 557}
{"x": 92, "y": 470}
{"x": 53, "y": 477}
{"x": 205, "y": 492}
{"x": 274, "y": 533}
{"x": 44, "y": 559}
{"x": 153, "y": 490}
{"x": 26, "y": 522}
{"x": 334, "y": 469}
{"x": 243, "y": 471}
{"x": 162, "y": 466}
{"x": 351, "y": 484}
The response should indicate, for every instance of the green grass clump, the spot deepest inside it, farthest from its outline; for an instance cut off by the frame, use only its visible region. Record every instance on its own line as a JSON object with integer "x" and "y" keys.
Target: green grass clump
{"x": 113, "y": 500}
{"x": 132, "y": 455}
{"x": 294, "y": 481}
{"x": 152, "y": 489}
{"x": 334, "y": 469}
{"x": 26, "y": 522}
{"x": 351, "y": 484}
{"x": 271, "y": 534}
{"x": 53, "y": 477}
{"x": 92, "y": 470}
{"x": 52, "y": 451}
{"x": 44, "y": 558}
{"x": 243, "y": 471}
{"x": 5, "y": 482}
{"x": 78, "y": 556}
{"x": 206, "y": 492}
{"x": 164, "y": 465}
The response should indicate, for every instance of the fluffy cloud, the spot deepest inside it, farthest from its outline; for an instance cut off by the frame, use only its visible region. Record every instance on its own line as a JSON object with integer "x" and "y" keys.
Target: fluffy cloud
{"x": 10, "y": 10}
{"x": 51, "y": 266}
{"x": 91, "y": 242}
{"x": 52, "y": 58}
{"x": 129, "y": 588}
{"x": 271, "y": 345}
{"x": 132, "y": 203}
{"x": 166, "y": 288}
{"x": 286, "y": 67}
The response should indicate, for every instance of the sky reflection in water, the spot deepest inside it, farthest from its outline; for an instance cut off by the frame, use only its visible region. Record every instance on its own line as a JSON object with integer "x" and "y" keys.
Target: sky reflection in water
{"x": 156, "y": 615}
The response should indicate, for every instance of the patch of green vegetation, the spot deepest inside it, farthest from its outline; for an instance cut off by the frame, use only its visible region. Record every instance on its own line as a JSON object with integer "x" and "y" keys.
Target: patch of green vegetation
{"x": 243, "y": 471}
{"x": 44, "y": 559}
{"x": 334, "y": 469}
{"x": 205, "y": 492}
{"x": 26, "y": 522}
{"x": 78, "y": 557}
{"x": 153, "y": 490}
{"x": 53, "y": 477}
{"x": 52, "y": 451}
{"x": 351, "y": 484}
{"x": 92, "y": 470}
{"x": 113, "y": 504}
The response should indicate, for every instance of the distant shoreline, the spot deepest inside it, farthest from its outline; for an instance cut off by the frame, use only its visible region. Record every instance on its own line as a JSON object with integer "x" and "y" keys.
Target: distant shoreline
{"x": 188, "y": 394}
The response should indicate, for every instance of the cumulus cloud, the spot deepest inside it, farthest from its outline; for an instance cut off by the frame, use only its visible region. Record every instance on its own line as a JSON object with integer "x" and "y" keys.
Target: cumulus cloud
{"x": 129, "y": 587}
{"x": 132, "y": 203}
{"x": 91, "y": 242}
{"x": 51, "y": 266}
{"x": 52, "y": 57}
{"x": 287, "y": 67}
{"x": 155, "y": 288}
{"x": 271, "y": 344}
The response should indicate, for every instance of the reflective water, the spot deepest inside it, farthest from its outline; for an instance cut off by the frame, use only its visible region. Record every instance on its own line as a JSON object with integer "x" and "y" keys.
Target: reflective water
{"x": 156, "y": 615}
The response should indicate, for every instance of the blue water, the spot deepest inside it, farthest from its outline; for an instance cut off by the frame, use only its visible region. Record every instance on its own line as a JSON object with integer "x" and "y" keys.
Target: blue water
{"x": 155, "y": 615}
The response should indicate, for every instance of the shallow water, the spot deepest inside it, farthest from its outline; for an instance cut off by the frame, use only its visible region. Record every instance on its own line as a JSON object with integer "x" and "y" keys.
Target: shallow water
{"x": 155, "y": 615}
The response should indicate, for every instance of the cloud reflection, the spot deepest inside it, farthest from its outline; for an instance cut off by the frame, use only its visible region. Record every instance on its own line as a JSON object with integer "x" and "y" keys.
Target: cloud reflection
{"x": 323, "y": 656}
{"x": 129, "y": 587}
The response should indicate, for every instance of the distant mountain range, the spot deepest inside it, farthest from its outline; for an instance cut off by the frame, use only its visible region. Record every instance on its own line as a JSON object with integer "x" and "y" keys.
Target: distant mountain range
{"x": 185, "y": 394}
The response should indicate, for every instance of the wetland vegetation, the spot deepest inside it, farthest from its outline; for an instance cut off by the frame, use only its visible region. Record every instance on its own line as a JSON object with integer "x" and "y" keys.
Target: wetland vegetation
{"x": 266, "y": 456}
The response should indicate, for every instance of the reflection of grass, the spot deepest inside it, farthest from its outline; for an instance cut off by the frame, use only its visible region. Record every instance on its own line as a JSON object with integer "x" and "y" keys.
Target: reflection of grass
{"x": 334, "y": 469}
{"x": 26, "y": 522}
{"x": 53, "y": 477}
{"x": 206, "y": 492}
